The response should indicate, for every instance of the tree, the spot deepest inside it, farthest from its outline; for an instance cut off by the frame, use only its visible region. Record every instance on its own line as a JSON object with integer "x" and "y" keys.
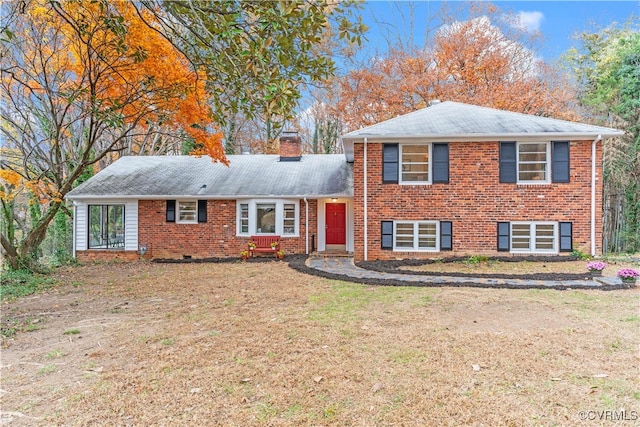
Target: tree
{"x": 259, "y": 56}
{"x": 607, "y": 67}
{"x": 81, "y": 81}
{"x": 474, "y": 61}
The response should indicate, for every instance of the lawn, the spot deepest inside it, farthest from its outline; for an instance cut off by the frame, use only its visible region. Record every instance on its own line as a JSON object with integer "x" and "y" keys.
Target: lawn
{"x": 259, "y": 344}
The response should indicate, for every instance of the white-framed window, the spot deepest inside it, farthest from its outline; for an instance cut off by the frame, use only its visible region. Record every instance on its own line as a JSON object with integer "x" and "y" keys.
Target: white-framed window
{"x": 243, "y": 218}
{"x": 415, "y": 164}
{"x": 534, "y": 237}
{"x": 416, "y": 236}
{"x": 277, "y": 217}
{"x": 187, "y": 211}
{"x": 533, "y": 162}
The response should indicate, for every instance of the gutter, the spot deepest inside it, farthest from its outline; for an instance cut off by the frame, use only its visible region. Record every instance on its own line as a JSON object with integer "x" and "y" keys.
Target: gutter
{"x": 593, "y": 194}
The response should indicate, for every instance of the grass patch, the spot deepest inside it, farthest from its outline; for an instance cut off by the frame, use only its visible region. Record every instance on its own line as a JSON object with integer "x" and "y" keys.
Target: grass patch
{"x": 17, "y": 284}
{"x": 345, "y": 300}
{"x": 47, "y": 369}
{"x": 11, "y": 327}
{"x": 54, "y": 354}
{"x": 71, "y": 332}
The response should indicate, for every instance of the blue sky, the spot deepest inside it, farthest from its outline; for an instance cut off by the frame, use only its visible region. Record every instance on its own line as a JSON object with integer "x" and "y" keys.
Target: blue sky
{"x": 558, "y": 21}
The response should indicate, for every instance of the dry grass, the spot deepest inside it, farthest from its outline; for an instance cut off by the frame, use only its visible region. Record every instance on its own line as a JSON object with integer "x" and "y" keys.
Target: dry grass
{"x": 260, "y": 344}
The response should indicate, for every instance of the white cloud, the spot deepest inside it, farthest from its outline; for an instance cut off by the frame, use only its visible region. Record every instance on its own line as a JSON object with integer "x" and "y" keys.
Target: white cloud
{"x": 531, "y": 20}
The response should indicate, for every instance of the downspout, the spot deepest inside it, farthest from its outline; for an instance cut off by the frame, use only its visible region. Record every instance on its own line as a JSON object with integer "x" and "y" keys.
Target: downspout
{"x": 73, "y": 232}
{"x": 593, "y": 194}
{"x": 366, "y": 214}
{"x": 306, "y": 226}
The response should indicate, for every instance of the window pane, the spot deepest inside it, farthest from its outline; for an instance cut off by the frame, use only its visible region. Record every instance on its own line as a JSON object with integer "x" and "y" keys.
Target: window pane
{"x": 404, "y": 235}
{"x": 415, "y": 163}
{"x": 266, "y": 218}
{"x": 289, "y": 219}
{"x": 427, "y": 235}
{"x": 115, "y": 226}
{"x": 244, "y": 218}
{"x": 187, "y": 211}
{"x": 532, "y": 162}
{"x": 95, "y": 226}
{"x": 520, "y": 236}
{"x": 544, "y": 236}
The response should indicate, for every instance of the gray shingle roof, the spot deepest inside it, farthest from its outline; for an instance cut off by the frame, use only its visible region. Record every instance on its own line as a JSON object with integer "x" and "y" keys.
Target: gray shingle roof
{"x": 320, "y": 175}
{"x": 453, "y": 121}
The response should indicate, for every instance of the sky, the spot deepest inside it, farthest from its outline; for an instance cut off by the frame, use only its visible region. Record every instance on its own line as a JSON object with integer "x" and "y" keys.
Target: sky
{"x": 558, "y": 21}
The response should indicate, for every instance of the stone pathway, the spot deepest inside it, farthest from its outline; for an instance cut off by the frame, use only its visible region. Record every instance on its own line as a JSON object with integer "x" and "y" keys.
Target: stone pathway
{"x": 344, "y": 266}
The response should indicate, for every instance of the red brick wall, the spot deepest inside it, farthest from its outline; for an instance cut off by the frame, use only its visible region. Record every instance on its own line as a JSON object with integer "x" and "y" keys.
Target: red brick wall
{"x": 214, "y": 238}
{"x": 474, "y": 200}
{"x": 106, "y": 255}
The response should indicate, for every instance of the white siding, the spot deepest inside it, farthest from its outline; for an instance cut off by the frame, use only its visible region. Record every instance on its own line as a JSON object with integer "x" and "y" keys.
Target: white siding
{"x": 130, "y": 222}
{"x": 131, "y": 225}
{"x": 81, "y": 226}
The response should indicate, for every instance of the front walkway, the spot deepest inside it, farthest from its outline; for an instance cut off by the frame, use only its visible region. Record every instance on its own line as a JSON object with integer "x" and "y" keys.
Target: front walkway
{"x": 344, "y": 267}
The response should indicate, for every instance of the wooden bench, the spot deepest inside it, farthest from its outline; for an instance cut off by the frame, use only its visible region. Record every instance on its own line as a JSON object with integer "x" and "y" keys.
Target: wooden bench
{"x": 261, "y": 244}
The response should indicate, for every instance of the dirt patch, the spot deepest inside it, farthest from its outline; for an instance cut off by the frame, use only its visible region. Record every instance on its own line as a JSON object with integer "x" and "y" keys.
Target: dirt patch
{"x": 262, "y": 344}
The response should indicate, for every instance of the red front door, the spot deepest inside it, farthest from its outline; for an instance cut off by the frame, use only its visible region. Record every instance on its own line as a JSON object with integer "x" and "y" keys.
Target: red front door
{"x": 336, "y": 219}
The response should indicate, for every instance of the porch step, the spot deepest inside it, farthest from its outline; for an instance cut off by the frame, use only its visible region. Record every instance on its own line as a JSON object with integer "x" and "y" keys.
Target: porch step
{"x": 330, "y": 254}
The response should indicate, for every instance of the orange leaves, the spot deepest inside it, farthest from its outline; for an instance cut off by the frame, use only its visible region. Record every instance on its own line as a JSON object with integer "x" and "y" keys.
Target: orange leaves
{"x": 10, "y": 177}
{"x": 470, "y": 61}
{"x": 12, "y": 185}
{"x": 129, "y": 74}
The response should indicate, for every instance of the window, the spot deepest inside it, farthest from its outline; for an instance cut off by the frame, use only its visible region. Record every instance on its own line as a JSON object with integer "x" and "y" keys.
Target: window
{"x": 187, "y": 211}
{"x": 535, "y": 163}
{"x": 266, "y": 218}
{"x": 280, "y": 217}
{"x": 289, "y": 219}
{"x": 106, "y": 227}
{"x": 533, "y": 237}
{"x": 532, "y": 162}
{"x": 416, "y": 236}
{"x": 415, "y": 163}
{"x": 243, "y": 219}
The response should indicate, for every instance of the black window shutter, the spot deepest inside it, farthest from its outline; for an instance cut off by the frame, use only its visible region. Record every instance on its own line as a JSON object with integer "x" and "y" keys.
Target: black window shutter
{"x": 441, "y": 163}
{"x": 171, "y": 211}
{"x": 503, "y": 236}
{"x": 560, "y": 161}
{"x": 390, "y": 168}
{"x": 508, "y": 162}
{"x": 386, "y": 235}
{"x": 446, "y": 235}
{"x": 566, "y": 237}
{"x": 202, "y": 211}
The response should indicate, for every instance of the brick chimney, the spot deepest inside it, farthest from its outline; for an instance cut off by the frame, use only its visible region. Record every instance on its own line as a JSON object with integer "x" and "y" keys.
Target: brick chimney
{"x": 290, "y": 146}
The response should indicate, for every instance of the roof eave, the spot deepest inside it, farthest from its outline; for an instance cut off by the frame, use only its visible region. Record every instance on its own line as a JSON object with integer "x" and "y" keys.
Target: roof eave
{"x": 485, "y": 137}
{"x": 96, "y": 197}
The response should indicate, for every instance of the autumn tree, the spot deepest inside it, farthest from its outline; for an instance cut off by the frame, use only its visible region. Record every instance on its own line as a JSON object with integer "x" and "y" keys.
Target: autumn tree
{"x": 606, "y": 64}
{"x": 486, "y": 60}
{"x": 81, "y": 81}
{"x": 260, "y": 56}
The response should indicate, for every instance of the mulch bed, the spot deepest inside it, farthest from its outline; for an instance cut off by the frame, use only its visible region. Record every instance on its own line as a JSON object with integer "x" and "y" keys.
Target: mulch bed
{"x": 298, "y": 263}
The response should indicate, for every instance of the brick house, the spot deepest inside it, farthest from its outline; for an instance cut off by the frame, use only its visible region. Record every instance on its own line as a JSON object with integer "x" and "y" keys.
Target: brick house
{"x": 450, "y": 179}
